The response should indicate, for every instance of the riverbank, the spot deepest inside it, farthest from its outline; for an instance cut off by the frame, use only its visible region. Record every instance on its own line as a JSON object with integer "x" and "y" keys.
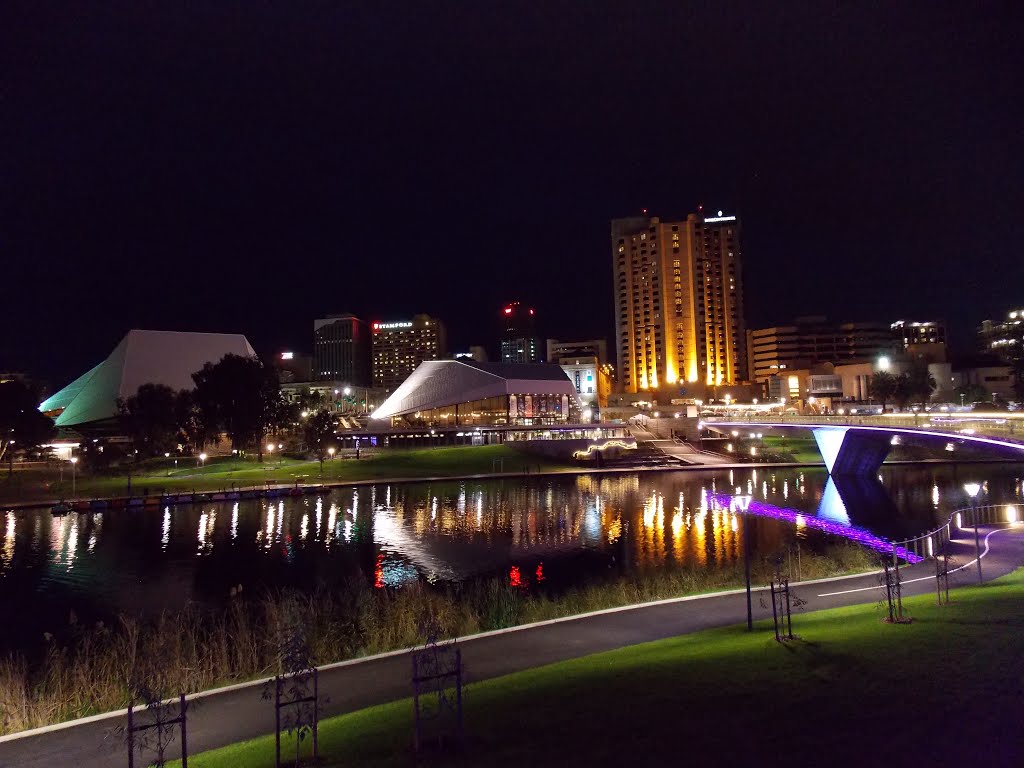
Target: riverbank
{"x": 83, "y": 670}
{"x": 29, "y": 489}
{"x": 34, "y": 487}
{"x": 941, "y": 687}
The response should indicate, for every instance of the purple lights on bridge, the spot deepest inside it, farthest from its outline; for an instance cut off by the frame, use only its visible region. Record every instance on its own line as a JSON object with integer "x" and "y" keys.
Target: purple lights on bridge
{"x": 853, "y": 533}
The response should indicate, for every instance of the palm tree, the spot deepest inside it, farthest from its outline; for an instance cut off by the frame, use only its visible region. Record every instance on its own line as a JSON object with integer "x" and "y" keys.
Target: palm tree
{"x": 883, "y": 387}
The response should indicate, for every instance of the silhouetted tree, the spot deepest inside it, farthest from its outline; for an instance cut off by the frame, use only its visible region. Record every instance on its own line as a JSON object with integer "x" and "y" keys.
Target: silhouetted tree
{"x": 971, "y": 393}
{"x": 917, "y": 384}
{"x": 190, "y": 431}
{"x": 22, "y": 426}
{"x": 1018, "y": 379}
{"x": 150, "y": 418}
{"x": 240, "y": 396}
{"x": 318, "y": 432}
{"x": 883, "y": 387}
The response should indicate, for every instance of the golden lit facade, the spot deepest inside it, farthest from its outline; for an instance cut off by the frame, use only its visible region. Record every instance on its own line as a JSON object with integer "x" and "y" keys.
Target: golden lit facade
{"x": 678, "y": 301}
{"x": 400, "y": 346}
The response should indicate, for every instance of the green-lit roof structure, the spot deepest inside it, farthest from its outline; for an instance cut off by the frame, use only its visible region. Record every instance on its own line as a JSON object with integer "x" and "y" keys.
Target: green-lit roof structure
{"x": 142, "y": 357}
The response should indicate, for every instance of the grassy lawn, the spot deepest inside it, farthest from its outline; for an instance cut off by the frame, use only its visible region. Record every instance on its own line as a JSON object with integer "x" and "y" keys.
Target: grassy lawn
{"x": 852, "y": 690}
{"x": 791, "y": 448}
{"x": 222, "y": 473}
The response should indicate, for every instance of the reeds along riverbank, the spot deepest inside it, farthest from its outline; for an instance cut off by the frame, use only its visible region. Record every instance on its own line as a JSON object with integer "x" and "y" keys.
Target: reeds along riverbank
{"x": 98, "y": 666}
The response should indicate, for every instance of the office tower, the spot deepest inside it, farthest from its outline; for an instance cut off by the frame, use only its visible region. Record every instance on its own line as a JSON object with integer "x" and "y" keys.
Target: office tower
{"x": 1004, "y": 339}
{"x": 587, "y": 348}
{"x": 812, "y": 340}
{"x": 678, "y": 301}
{"x": 341, "y": 350}
{"x": 519, "y": 342}
{"x": 909, "y": 333}
{"x": 400, "y": 346}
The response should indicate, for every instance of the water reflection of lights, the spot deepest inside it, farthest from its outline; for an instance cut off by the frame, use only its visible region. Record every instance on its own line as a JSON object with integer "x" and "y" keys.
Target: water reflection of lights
{"x": 207, "y": 523}
{"x": 165, "y": 536}
{"x": 234, "y": 521}
{"x": 853, "y": 533}
{"x": 9, "y": 540}
{"x": 94, "y": 533}
{"x": 268, "y": 539}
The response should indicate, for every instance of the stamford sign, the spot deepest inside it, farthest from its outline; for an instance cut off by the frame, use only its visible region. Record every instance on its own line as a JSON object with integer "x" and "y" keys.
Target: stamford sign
{"x": 391, "y": 326}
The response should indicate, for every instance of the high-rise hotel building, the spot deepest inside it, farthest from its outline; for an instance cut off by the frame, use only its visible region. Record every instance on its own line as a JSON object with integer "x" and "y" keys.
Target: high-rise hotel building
{"x": 400, "y": 346}
{"x": 678, "y": 301}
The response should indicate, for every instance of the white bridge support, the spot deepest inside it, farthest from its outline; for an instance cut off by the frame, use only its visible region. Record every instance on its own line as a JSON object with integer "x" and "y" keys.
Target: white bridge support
{"x": 851, "y": 451}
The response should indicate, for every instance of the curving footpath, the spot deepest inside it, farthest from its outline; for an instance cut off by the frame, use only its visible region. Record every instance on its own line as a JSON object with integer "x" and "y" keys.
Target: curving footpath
{"x": 236, "y": 713}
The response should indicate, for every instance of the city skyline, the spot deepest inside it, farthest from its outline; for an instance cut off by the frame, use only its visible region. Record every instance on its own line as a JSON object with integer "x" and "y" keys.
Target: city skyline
{"x": 160, "y": 187}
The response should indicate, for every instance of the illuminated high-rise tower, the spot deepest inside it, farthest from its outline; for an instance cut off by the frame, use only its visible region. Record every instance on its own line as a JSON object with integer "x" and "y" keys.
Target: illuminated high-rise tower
{"x": 519, "y": 341}
{"x": 678, "y": 301}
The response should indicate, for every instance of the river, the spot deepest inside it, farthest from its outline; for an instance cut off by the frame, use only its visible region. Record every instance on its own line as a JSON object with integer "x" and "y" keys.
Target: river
{"x": 557, "y": 530}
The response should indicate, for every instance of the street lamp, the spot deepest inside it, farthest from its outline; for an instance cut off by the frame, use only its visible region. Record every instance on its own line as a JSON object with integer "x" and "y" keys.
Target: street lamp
{"x": 167, "y": 455}
{"x": 202, "y": 459}
{"x": 330, "y": 452}
{"x": 972, "y": 491}
{"x": 74, "y": 461}
{"x": 743, "y": 502}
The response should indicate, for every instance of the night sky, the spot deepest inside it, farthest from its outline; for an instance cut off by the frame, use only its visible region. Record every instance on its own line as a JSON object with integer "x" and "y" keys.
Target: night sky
{"x": 247, "y": 167}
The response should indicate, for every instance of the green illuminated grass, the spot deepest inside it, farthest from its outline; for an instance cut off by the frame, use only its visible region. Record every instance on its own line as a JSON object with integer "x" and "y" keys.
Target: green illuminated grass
{"x": 853, "y": 690}
{"x": 222, "y": 474}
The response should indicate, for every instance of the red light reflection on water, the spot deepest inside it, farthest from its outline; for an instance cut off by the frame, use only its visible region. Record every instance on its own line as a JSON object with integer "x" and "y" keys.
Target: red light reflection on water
{"x": 378, "y": 572}
{"x": 514, "y": 577}
{"x": 540, "y": 572}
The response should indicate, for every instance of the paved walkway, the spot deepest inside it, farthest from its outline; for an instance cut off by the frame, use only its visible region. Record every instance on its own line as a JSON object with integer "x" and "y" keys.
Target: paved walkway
{"x": 238, "y": 712}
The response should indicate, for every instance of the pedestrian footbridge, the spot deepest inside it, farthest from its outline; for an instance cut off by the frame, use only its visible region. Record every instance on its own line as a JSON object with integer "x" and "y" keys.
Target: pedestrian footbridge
{"x": 859, "y": 448}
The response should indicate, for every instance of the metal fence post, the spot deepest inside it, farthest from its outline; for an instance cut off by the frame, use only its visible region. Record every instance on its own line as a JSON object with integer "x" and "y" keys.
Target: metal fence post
{"x": 131, "y": 735}
{"x": 415, "y": 704}
{"x": 184, "y": 735}
{"x": 277, "y": 721}
{"x": 316, "y": 713}
{"x": 458, "y": 691}
{"x": 977, "y": 540}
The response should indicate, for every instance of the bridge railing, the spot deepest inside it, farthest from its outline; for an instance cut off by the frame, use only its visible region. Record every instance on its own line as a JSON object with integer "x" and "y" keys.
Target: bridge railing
{"x": 933, "y": 543}
{"x": 1007, "y": 428}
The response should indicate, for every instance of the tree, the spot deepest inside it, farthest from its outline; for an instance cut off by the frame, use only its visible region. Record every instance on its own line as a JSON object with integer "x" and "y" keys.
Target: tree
{"x": 22, "y": 426}
{"x": 971, "y": 393}
{"x": 150, "y": 418}
{"x": 318, "y": 432}
{"x": 240, "y": 396}
{"x": 918, "y": 383}
{"x": 883, "y": 387}
{"x": 190, "y": 431}
{"x": 1018, "y": 379}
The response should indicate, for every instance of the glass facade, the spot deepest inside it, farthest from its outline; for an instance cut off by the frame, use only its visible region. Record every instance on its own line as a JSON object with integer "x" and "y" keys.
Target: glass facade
{"x": 503, "y": 410}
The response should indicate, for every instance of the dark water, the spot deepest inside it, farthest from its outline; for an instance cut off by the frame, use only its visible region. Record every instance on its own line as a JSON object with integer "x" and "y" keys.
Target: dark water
{"x": 558, "y": 531}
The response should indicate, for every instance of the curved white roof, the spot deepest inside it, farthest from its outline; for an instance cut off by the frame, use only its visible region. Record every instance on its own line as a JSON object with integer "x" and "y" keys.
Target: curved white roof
{"x": 439, "y": 383}
{"x": 142, "y": 357}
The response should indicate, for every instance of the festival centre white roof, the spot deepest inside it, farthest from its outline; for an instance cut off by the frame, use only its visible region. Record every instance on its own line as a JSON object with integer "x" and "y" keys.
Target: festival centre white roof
{"x": 440, "y": 383}
{"x": 142, "y": 357}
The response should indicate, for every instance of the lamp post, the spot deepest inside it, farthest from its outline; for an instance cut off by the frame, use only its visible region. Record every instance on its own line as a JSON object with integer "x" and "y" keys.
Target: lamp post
{"x": 330, "y": 452}
{"x": 202, "y": 459}
{"x": 743, "y": 502}
{"x": 74, "y": 461}
{"x": 167, "y": 455}
{"x": 972, "y": 491}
